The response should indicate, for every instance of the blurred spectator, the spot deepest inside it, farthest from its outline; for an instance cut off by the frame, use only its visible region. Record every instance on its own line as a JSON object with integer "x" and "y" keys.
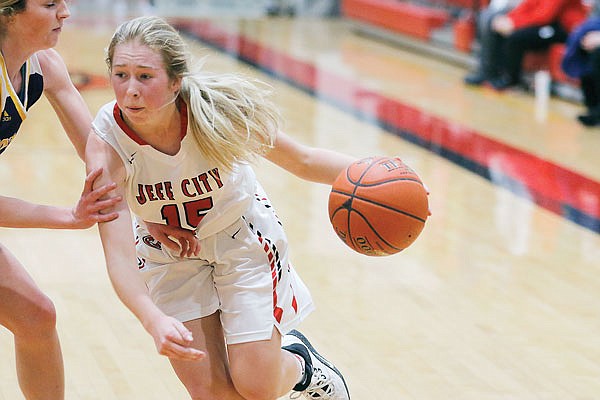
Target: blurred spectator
{"x": 490, "y": 42}
{"x": 282, "y": 7}
{"x": 582, "y": 61}
{"x": 533, "y": 25}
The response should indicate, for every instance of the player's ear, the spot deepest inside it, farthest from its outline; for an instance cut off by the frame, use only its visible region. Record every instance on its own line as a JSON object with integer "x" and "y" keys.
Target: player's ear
{"x": 176, "y": 85}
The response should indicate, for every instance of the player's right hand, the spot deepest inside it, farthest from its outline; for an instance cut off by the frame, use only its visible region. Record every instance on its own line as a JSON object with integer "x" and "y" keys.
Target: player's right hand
{"x": 177, "y": 239}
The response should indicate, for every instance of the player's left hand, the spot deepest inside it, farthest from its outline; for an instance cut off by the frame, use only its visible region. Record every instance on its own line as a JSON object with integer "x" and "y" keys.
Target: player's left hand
{"x": 175, "y": 238}
{"x": 94, "y": 204}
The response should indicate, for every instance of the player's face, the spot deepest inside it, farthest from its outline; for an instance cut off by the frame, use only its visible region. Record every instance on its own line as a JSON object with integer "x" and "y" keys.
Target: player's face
{"x": 40, "y": 24}
{"x": 140, "y": 82}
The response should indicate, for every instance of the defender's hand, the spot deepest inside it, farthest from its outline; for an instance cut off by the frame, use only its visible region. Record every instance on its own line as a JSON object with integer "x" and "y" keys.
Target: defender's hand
{"x": 94, "y": 205}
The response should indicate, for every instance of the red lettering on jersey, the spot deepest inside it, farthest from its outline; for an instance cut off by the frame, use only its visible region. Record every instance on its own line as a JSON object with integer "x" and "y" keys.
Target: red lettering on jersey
{"x": 158, "y": 191}
{"x": 197, "y": 185}
{"x": 141, "y": 198}
{"x": 203, "y": 178}
{"x": 169, "y": 190}
{"x": 150, "y": 192}
{"x": 201, "y": 183}
{"x": 159, "y": 188}
{"x": 214, "y": 173}
{"x": 184, "y": 184}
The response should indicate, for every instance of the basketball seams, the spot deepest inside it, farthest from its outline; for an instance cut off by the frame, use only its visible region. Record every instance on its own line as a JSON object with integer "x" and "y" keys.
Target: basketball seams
{"x": 375, "y": 163}
{"x": 366, "y": 200}
{"x": 380, "y": 188}
{"x": 373, "y": 229}
{"x": 361, "y": 184}
{"x": 353, "y": 197}
{"x": 365, "y": 171}
{"x": 351, "y": 237}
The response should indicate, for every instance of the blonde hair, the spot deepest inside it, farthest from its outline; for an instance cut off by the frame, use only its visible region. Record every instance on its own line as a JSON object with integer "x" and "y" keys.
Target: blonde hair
{"x": 231, "y": 116}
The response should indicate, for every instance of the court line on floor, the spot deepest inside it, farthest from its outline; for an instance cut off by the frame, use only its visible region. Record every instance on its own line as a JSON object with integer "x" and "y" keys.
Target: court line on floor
{"x": 549, "y": 185}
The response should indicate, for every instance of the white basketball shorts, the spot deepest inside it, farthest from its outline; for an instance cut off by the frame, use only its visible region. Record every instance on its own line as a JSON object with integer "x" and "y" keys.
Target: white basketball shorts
{"x": 243, "y": 272}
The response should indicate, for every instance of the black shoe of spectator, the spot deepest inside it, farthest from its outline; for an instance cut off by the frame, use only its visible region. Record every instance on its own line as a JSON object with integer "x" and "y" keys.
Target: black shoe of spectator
{"x": 475, "y": 78}
{"x": 591, "y": 119}
{"x": 503, "y": 83}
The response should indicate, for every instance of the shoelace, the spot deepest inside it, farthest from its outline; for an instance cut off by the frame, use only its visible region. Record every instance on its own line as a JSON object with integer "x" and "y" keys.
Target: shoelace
{"x": 323, "y": 388}
{"x": 295, "y": 395}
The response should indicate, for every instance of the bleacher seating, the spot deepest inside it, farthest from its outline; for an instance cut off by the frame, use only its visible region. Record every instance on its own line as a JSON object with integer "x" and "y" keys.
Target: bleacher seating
{"x": 407, "y": 18}
{"x": 418, "y": 20}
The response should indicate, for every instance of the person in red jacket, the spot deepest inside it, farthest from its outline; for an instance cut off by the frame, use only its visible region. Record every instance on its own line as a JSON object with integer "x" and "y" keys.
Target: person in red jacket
{"x": 533, "y": 25}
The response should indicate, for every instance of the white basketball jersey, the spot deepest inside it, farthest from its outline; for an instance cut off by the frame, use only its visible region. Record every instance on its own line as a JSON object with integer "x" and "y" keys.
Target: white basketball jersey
{"x": 183, "y": 190}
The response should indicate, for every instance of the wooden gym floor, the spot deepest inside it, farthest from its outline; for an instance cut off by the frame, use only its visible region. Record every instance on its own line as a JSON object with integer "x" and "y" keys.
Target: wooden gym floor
{"x": 497, "y": 300}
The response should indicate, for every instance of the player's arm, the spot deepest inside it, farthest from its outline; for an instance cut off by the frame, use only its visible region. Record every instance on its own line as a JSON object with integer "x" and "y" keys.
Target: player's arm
{"x": 76, "y": 120}
{"x": 171, "y": 337}
{"x": 66, "y": 100}
{"x": 17, "y": 213}
{"x": 117, "y": 235}
{"x": 310, "y": 163}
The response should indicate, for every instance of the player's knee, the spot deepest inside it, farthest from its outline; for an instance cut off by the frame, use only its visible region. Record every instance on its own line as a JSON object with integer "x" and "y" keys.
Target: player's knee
{"x": 256, "y": 370}
{"x": 253, "y": 386}
{"x": 253, "y": 390}
{"x": 39, "y": 320}
{"x": 45, "y": 314}
{"x": 213, "y": 392}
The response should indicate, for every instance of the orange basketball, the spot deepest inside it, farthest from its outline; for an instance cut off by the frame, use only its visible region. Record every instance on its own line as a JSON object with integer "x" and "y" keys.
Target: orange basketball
{"x": 378, "y": 206}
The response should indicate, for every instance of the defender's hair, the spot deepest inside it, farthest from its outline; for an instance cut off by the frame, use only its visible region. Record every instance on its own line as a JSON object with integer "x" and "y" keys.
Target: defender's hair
{"x": 231, "y": 116}
{"x": 8, "y": 9}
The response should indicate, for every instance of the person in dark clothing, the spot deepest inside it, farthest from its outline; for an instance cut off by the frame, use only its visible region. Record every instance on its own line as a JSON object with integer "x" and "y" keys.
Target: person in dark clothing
{"x": 490, "y": 43}
{"x": 582, "y": 61}
{"x": 533, "y": 25}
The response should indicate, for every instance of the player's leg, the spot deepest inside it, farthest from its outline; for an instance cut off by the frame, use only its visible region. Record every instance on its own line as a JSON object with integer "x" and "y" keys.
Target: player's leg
{"x": 31, "y": 317}
{"x": 261, "y": 296}
{"x": 320, "y": 379}
{"x": 262, "y": 370}
{"x": 208, "y": 378}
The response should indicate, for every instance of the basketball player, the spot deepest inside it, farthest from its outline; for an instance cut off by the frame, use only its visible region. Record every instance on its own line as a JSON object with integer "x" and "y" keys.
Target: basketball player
{"x": 28, "y": 31}
{"x": 179, "y": 145}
